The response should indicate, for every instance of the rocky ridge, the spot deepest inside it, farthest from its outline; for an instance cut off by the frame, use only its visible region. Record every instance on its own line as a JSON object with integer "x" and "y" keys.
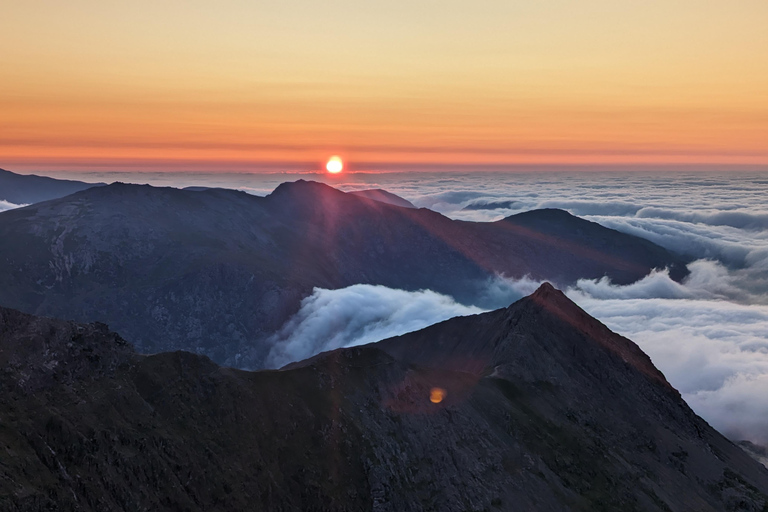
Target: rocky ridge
{"x": 543, "y": 409}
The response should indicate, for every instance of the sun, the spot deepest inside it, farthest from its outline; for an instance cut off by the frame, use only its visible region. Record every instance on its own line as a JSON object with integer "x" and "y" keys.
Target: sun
{"x": 334, "y": 165}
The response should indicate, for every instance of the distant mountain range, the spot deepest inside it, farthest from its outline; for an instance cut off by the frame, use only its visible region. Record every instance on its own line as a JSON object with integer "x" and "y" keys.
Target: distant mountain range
{"x": 536, "y": 406}
{"x": 28, "y": 189}
{"x": 217, "y": 271}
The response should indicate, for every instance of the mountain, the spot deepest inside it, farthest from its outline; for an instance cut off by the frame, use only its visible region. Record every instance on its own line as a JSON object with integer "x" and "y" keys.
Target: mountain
{"x": 29, "y": 188}
{"x": 383, "y": 196}
{"x": 218, "y": 271}
{"x": 543, "y": 408}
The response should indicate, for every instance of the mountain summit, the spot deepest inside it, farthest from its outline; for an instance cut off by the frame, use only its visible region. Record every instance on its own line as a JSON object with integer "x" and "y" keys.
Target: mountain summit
{"x": 532, "y": 407}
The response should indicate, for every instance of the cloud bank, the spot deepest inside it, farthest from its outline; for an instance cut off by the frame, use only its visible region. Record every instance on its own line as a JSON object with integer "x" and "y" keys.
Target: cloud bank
{"x": 358, "y": 314}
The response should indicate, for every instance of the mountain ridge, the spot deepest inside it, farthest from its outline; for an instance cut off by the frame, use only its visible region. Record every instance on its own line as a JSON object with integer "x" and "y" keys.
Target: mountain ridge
{"x": 381, "y": 195}
{"x": 30, "y": 188}
{"x": 218, "y": 271}
{"x": 354, "y": 429}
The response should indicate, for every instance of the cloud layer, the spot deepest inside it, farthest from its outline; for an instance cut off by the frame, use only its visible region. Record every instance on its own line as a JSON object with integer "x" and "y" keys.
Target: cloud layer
{"x": 355, "y": 315}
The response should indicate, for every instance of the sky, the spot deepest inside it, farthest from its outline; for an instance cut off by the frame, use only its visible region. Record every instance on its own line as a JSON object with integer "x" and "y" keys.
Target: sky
{"x": 259, "y": 85}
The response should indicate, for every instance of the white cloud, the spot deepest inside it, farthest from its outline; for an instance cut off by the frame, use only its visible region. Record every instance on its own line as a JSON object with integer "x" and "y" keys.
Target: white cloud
{"x": 732, "y": 246}
{"x": 355, "y": 315}
{"x": 707, "y": 280}
{"x": 5, "y": 205}
{"x": 732, "y": 218}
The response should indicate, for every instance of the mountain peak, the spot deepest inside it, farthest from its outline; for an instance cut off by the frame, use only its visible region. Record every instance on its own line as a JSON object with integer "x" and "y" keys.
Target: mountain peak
{"x": 552, "y": 301}
{"x": 543, "y": 215}
{"x": 544, "y": 336}
{"x": 302, "y": 186}
{"x": 555, "y": 301}
{"x": 545, "y": 291}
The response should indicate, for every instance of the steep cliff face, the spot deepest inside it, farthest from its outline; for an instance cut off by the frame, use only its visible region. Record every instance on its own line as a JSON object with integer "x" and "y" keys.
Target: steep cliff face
{"x": 532, "y": 407}
{"x": 217, "y": 271}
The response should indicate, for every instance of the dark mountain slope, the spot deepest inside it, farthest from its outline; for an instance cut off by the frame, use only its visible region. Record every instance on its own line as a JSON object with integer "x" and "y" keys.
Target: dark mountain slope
{"x": 553, "y": 419}
{"x": 28, "y": 189}
{"x": 218, "y": 271}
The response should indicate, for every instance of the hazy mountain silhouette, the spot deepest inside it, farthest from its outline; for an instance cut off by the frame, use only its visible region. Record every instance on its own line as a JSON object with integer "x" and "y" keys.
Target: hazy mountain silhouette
{"x": 28, "y": 189}
{"x": 543, "y": 409}
{"x": 217, "y": 271}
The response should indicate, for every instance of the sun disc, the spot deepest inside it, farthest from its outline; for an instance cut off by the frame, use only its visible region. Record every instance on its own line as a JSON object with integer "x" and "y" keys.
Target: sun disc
{"x": 334, "y": 165}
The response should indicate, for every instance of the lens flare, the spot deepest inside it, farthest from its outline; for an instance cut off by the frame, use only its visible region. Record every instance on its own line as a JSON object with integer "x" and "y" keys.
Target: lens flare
{"x": 436, "y": 395}
{"x": 334, "y": 165}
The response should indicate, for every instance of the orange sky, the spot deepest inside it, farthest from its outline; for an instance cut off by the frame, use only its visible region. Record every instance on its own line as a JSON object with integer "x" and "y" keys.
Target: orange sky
{"x": 242, "y": 84}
